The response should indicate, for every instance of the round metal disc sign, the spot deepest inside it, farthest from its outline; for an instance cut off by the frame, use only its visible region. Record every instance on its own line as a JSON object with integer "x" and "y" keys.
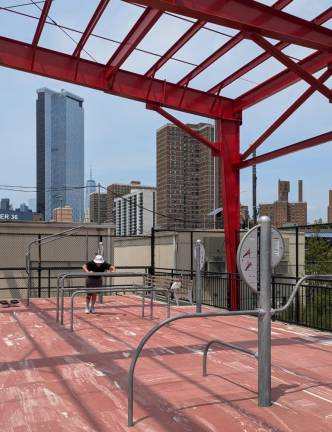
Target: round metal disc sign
{"x": 247, "y": 255}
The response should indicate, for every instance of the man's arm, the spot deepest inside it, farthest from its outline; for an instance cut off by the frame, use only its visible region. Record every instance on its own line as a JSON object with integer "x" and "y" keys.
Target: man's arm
{"x": 85, "y": 268}
{"x": 111, "y": 268}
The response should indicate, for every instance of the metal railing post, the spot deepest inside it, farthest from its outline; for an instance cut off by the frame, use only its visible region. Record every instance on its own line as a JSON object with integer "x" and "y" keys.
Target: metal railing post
{"x": 264, "y": 318}
{"x": 198, "y": 277}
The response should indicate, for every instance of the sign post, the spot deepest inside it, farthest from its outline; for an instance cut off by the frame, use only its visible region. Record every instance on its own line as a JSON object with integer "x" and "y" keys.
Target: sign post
{"x": 260, "y": 250}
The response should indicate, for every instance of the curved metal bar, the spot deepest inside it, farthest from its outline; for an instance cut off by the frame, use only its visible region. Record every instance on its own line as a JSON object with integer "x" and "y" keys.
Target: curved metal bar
{"x": 63, "y": 276}
{"x": 227, "y": 344}
{"x": 137, "y": 289}
{"x": 296, "y": 288}
{"x": 152, "y": 332}
{"x": 72, "y": 307}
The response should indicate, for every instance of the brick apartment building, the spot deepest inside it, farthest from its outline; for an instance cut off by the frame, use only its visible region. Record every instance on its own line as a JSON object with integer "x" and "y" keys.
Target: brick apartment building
{"x": 187, "y": 178}
{"x": 282, "y": 211}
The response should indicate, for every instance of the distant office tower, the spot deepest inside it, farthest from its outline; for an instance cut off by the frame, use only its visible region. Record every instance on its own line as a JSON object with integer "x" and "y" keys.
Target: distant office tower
{"x": 282, "y": 212}
{"x": 187, "y": 178}
{"x": 60, "y": 153}
{"x": 5, "y": 204}
{"x": 32, "y": 204}
{"x": 98, "y": 207}
{"x": 329, "y": 208}
{"x": 134, "y": 212}
{"x": 117, "y": 190}
{"x": 90, "y": 187}
{"x": 63, "y": 214}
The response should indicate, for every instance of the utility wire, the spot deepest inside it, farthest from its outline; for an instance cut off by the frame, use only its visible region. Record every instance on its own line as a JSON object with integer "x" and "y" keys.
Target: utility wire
{"x": 34, "y": 189}
{"x": 176, "y": 59}
{"x": 64, "y": 31}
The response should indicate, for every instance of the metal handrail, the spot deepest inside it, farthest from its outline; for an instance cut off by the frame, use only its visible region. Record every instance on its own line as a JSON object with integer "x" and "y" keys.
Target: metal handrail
{"x": 61, "y": 278}
{"x": 116, "y": 289}
{"x": 296, "y": 288}
{"x": 157, "y": 327}
{"x": 226, "y": 344}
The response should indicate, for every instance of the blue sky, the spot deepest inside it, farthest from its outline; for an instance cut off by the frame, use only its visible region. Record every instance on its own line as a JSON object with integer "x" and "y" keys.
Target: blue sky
{"x": 120, "y": 134}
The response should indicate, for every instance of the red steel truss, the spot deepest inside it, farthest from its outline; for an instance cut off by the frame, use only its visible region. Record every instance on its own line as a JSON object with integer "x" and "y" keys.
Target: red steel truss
{"x": 254, "y": 21}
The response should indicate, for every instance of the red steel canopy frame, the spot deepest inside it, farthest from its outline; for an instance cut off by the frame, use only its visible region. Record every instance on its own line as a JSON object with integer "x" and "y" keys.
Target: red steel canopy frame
{"x": 254, "y": 21}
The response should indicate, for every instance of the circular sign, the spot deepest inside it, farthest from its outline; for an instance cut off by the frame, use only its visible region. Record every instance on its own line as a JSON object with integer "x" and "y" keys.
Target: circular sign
{"x": 201, "y": 254}
{"x": 247, "y": 255}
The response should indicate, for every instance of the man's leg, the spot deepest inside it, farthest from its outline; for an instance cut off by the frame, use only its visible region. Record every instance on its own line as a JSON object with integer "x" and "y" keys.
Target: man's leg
{"x": 93, "y": 301}
{"x": 87, "y": 307}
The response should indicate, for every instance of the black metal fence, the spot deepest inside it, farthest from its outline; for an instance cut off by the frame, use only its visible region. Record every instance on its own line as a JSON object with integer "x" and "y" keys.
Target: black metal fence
{"x": 312, "y": 306}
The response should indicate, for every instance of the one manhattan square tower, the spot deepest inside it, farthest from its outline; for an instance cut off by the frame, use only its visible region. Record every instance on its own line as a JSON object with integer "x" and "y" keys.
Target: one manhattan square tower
{"x": 60, "y": 153}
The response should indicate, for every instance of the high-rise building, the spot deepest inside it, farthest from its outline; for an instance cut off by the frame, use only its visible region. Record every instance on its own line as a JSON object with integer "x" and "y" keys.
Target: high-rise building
{"x": 60, "y": 152}
{"x": 63, "y": 214}
{"x": 98, "y": 207}
{"x": 187, "y": 178}
{"x": 282, "y": 212}
{"x": 134, "y": 212}
{"x": 329, "y": 208}
{"x": 5, "y": 204}
{"x": 32, "y": 204}
{"x": 117, "y": 190}
{"x": 90, "y": 187}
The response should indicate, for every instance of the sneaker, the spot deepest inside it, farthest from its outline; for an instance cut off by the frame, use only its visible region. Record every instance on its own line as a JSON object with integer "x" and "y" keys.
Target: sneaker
{"x": 87, "y": 309}
{"x": 92, "y": 310}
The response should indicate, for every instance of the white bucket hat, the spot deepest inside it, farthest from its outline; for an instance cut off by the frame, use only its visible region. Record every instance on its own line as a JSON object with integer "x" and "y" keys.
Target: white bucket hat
{"x": 99, "y": 259}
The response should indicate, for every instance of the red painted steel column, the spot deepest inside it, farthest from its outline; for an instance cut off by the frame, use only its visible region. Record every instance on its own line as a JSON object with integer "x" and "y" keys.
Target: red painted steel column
{"x": 228, "y": 136}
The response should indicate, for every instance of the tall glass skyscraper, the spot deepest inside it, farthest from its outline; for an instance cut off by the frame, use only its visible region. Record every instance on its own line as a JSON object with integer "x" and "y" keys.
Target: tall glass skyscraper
{"x": 60, "y": 152}
{"x": 90, "y": 187}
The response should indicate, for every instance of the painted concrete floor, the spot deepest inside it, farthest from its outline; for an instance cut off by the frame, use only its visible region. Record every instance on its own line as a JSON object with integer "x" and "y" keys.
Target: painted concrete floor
{"x": 55, "y": 380}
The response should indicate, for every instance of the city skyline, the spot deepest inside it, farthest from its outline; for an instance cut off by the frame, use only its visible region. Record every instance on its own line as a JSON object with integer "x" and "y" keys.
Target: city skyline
{"x": 120, "y": 134}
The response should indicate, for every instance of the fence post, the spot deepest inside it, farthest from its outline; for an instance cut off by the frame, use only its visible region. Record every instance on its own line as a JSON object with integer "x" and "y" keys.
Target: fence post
{"x": 198, "y": 278}
{"x": 39, "y": 266}
{"x": 87, "y": 246}
{"x": 297, "y": 298}
{"x": 191, "y": 256}
{"x": 49, "y": 282}
{"x": 152, "y": 260}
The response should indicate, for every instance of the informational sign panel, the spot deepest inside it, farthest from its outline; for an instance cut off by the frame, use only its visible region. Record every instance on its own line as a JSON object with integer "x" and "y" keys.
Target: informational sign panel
{"x": 248, "y": 255}
{"x": 15, "y": 215}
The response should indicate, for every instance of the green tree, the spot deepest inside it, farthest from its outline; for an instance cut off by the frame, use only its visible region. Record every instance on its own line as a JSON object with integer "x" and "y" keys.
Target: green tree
{"x": 316, "y": 310}
{"x": 318, "y": 256}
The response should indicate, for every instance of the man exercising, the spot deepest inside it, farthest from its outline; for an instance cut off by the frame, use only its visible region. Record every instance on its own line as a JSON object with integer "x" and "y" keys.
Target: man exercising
{"x": 98, "y": 264}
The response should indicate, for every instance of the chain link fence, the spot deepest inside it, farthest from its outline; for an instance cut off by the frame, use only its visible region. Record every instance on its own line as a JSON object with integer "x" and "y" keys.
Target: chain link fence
{"x": 307, "y": 251}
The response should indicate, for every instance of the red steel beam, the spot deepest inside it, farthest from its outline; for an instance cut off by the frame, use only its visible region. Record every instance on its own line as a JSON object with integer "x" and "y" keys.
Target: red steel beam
{"x": 320, "y": 19}
{"x": 280, "y": 4}
{"x": 175, "y": 48}
{"x": 247, "y": 15}
{"x": 313, "y": 63}
{"x": 291, "y": 65}
{"x": 311, "y": 142}
{"x": 284, "y": 116}
{"x": 64, "y": 67}
{"x": 228, "y": 136}
{"x": 215, "y": 149}
{"x": 41, "y": 22}
{"x": 90, "y": 27}
{"x": 211, "y": 59}
{"x": 145, "y": 22}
